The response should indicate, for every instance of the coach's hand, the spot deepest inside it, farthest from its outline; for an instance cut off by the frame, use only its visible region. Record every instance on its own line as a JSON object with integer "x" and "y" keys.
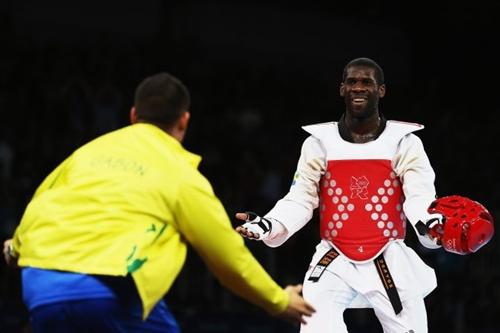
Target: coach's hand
{"x": 9, "y": 254}
{"x": 256, "y": 227}
{"x": 297, "y": 308}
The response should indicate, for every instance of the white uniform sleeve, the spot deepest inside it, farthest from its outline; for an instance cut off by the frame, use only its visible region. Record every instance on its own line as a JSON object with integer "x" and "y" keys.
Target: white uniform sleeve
{"x": 417, "y": 175}
{"x": 296, "y": 208}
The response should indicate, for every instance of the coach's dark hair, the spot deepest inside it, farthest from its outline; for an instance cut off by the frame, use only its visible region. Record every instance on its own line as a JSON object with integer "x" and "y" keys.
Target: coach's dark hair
{"x": 365, "y": 62}
{"x": 161, "y": 98}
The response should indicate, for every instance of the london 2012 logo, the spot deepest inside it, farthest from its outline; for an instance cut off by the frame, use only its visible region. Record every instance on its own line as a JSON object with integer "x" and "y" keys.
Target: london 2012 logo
{"x": 451, "y": 245}
{"x": 359, "y": 187}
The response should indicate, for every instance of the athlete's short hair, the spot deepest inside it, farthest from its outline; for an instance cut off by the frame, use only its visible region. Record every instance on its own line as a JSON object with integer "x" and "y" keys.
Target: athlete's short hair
{"x": 161, "y": 98}
{"x": 365, "y": 62}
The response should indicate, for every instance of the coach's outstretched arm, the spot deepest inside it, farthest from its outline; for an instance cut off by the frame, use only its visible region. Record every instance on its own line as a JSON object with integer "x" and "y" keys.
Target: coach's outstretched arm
{"x": 203, "y": 221}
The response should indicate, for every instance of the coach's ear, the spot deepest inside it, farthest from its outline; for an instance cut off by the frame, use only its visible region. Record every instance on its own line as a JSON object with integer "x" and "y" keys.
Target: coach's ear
{"x": 133, "y": 115}
{"x": 179, "y": 129}
{"x": 183, "y": 122}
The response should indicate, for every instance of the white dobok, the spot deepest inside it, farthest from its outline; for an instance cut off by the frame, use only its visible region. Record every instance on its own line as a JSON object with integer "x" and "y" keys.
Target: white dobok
{"x": 365, "y": 193}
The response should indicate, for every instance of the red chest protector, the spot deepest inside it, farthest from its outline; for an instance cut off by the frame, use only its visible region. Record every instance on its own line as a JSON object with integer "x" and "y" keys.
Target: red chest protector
{"x": 361, "y": 207}
{"x": 360, "y": 194}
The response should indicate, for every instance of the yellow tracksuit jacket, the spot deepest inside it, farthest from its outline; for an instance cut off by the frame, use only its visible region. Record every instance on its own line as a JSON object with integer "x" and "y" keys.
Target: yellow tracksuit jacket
{"x": 128, "y": 202}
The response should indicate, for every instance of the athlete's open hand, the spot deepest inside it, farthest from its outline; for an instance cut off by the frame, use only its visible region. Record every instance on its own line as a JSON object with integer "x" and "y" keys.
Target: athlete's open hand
{"x": 256, "y": 227}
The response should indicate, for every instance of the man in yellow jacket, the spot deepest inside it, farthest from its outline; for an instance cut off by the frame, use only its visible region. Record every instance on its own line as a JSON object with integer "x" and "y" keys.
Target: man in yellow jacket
{"x": 106, "y": 233}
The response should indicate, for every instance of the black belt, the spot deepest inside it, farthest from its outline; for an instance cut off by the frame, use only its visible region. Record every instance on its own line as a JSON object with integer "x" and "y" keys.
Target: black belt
{"x": 388, "y": 282}
{"x": 383, "y": 273}
{"x": 322, "y": 264}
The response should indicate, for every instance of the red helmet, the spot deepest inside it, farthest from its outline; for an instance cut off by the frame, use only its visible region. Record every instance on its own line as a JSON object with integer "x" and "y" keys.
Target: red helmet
{"x": 468, "y": 225}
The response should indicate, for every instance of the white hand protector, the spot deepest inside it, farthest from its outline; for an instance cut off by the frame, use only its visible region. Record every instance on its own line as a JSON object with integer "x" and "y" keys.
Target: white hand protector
{"x": 431, "y": 231}
{"x": 258, "y": 225}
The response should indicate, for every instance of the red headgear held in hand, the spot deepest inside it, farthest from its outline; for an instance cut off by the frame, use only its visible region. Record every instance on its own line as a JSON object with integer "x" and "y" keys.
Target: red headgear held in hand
{"x": 468, "y": 225}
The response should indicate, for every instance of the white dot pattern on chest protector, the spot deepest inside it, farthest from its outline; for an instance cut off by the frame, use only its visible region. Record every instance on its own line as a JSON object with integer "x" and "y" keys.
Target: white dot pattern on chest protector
{"x": 335, "y": 226}
{"x": 375, "y": 206}
{"x": 341, "y": 203}
{"x": 384, "y": 199}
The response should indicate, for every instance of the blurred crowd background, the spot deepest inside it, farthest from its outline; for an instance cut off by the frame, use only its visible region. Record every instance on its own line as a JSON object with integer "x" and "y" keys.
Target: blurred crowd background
{"x": 256, "y": 72}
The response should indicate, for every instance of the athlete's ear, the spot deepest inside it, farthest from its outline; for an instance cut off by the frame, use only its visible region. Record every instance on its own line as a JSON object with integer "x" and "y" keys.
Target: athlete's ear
{"x": 381, "y": 90}
{"x": 133, "y": 115}
{"x": 342, "y": 90}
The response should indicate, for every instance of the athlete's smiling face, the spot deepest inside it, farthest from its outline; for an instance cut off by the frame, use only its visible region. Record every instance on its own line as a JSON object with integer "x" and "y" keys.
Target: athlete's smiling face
{"x": 361, "y": 91}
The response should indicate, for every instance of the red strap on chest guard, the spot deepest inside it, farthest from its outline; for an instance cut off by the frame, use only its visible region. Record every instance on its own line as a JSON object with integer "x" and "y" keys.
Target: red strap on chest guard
{"x": 468, "y": 225}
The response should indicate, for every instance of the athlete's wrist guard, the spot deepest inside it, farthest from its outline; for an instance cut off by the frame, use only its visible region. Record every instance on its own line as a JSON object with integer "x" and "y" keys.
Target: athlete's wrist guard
{"x": 258, "y": 225}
